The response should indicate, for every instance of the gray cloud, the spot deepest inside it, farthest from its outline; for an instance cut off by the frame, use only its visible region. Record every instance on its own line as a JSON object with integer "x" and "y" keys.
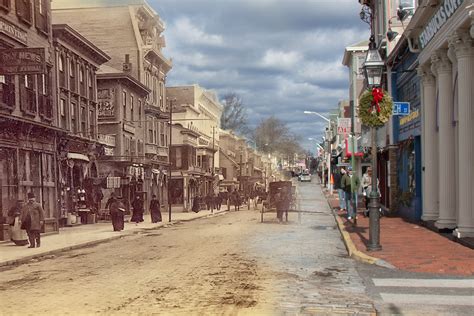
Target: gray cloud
{"x": 281, "y": 56}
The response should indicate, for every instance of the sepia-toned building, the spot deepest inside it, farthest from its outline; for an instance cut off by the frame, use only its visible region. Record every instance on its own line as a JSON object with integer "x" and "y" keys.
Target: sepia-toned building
{"x": 28, "y": 117}
{"x": 122, "y": 130}
{"x": 77, "y": 61}
{"x": 199, "y": 109}
{"x": 131, "y": 29}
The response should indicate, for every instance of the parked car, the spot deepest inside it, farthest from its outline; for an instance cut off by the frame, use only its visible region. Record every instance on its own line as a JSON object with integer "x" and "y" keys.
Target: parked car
{"x": 305, "y": 177}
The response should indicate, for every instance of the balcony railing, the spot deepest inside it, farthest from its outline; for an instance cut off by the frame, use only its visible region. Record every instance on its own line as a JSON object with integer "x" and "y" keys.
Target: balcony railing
{"x": 7, "y": 95}
{"x": 28, "y": 100}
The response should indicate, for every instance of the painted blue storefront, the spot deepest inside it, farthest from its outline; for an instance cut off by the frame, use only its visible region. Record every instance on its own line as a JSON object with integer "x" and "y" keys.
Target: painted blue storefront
{"x": 407, "y": 135}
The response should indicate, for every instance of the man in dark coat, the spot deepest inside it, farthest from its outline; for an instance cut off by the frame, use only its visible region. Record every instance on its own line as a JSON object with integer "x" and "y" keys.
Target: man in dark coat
{"x": 196, "y": 207}
{"x": 219, "y": 199}
{"x": 138, "y": 209}
{"x": 117, "y": 212}
{"x": 155, "y": 211}
{"x": 32, "y": 218}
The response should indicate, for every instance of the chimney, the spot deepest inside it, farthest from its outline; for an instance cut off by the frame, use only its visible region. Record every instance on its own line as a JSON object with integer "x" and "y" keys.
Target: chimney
{"x": 127, "y": 65}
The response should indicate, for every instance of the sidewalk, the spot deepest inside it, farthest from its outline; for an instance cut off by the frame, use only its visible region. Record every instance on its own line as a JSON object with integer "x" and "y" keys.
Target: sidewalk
{"x": 408, "y": 246}
{"x": 87, "y": 235}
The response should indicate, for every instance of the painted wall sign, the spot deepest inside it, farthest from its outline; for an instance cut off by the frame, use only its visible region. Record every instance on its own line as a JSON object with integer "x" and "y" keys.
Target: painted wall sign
{"x": 22, "y": 61}
{"x": 445, "y": 11}
{"x": 412, "y": 116}
{"x": 105, "y": 100}
{"x": 401, "y": 108}
{"x": 13, "y": 31}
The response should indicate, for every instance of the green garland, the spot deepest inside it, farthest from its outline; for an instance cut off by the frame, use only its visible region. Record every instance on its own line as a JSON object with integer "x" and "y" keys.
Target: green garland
{"x": 373, "y": 118}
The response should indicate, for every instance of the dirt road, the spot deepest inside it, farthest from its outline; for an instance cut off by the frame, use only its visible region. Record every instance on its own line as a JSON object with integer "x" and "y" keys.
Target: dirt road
{"x": 226, "y": 265}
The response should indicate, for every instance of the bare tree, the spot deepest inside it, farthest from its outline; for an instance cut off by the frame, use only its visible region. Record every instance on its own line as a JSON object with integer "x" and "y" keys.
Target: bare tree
{"x": 234, "y": 115}
{"x": 273, "y": 136}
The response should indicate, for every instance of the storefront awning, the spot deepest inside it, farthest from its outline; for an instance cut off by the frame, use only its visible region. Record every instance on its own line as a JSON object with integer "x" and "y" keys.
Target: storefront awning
{"x": 77, "y": 156}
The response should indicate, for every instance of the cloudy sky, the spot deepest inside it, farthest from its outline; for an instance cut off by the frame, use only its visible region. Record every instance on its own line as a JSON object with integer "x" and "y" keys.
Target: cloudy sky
{"x": 281, "y": 56}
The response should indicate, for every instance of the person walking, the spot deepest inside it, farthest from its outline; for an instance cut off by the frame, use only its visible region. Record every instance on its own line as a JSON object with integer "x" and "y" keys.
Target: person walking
{"x": 196, "y": 207}
{"x": 337, "y": 186}
{"x": 236, "y": 200}
{"x": 117, "y": 213}
{"x": 346, "y": 187}
{"x": 219, "y": 199}
{"x": 32, "y": 219}
{"x": 354, "y": 184}
{"x": 138, "y": 208}
{"x": 155, "y": 210}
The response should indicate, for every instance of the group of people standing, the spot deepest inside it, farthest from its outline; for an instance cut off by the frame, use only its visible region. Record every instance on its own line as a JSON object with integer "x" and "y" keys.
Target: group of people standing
{"x": 348, "y": 184}
{"x": 117, "y": 209}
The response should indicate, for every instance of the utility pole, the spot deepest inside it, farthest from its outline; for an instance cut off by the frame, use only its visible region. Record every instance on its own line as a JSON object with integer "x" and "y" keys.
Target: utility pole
{"x": 169, "y": 158}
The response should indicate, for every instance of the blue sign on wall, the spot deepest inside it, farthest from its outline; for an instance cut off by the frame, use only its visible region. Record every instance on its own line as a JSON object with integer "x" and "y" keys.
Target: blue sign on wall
{"x": 401, "y": 108}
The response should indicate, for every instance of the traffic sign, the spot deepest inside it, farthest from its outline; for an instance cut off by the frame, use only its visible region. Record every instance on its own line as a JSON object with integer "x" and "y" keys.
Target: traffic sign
{"x": 401, "y": 108}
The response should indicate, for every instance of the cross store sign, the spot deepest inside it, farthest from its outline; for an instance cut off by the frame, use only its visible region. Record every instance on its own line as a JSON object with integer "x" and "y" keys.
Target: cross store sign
{"x": 344, "y": 125}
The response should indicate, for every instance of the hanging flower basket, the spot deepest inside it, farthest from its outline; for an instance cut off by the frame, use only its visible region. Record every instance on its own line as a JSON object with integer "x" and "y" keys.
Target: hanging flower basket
{"x": 375, "y": 107}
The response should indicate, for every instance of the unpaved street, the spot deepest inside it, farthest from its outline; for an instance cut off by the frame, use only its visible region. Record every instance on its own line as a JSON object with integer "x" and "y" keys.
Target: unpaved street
{"x": 229, "y": 264}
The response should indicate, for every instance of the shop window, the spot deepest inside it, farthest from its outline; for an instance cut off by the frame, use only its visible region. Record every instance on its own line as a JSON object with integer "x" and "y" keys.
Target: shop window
{"x": 8, "y": 179}
{"x": 41, "y": 15}
{"x": 23, "y": 11}
{"x": 5, "y": 5}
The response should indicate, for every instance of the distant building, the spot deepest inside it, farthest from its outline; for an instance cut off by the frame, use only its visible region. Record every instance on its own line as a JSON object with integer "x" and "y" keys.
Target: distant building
{"x": 199, "y": 109}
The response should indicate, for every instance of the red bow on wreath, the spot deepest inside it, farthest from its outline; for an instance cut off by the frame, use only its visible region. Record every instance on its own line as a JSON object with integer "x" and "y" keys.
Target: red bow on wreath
{"x": 377, "y": 95}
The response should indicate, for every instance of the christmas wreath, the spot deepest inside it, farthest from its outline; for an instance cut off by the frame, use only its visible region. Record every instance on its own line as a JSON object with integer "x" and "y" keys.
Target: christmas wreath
{"x": 375, "y": 107}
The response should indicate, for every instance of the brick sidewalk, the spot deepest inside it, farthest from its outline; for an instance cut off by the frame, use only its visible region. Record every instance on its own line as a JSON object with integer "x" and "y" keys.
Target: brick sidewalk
{"x": 411, "y": 247}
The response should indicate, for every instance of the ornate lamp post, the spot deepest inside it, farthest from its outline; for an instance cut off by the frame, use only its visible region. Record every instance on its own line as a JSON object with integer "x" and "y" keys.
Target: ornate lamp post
{"x": 374, "y": 111}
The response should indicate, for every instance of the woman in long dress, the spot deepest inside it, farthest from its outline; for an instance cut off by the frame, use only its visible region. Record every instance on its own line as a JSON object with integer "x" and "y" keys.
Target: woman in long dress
{"x": 155, "y": 211}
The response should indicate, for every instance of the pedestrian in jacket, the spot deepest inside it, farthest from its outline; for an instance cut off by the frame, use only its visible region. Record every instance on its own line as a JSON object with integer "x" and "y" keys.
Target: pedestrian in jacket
{"x": 138, "y": 209}
{"x": 337, "y": 186}
{"x": 32, "y": 219}
{"x": 155, "y": 211}
{"x": 117, "y": 213}
{"x": 351, "y": 183}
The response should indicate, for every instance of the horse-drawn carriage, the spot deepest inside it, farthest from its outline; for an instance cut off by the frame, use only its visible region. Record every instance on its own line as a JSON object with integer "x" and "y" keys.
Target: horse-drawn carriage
{"x": 280, "y": 199}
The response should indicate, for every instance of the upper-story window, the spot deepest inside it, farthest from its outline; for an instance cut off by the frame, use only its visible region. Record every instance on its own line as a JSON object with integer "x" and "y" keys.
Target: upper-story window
{"x": 131, "y": 107}
{"x": 162, "y": 95}
{"x": 407, "y": 5}
{"x": 23, "y": 11}
{"x": 155, "y": 91}
{"x": 41, "y": 15}
{"x": 5, "y": 5}
{"x": 124, "y": 104}
{"x": 139, "y": 112}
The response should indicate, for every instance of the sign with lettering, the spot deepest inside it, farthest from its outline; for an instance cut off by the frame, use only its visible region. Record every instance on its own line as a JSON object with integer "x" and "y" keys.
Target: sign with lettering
{"x": 344, "y": 125}
{"x": 13, "y": 31}
{"x": 445, "y": 11}
{"x": 401, "y": 108}
{"x": 105, "y": 100}
{"x": 22, "y": 61}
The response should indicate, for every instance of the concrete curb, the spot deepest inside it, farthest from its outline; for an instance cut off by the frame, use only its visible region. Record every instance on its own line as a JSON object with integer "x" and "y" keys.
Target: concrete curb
{"x": 351, "y": 248}
{"x": 26, "y": 259}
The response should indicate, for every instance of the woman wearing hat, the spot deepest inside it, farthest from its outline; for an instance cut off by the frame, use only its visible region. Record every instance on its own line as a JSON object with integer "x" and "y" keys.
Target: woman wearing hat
{"x": 32, "y": 218}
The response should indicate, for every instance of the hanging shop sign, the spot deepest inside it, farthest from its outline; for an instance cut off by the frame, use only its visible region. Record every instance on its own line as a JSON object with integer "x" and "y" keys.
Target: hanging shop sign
{"x": 344, "y": 126}
{"x": 445, "y": 11}
{"x": 401, "y": 108}
{"x": 22, "y": 61}
{"x": 13, "y": 31}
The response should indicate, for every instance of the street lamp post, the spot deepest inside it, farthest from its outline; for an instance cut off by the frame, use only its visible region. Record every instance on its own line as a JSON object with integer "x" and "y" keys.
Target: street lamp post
{"x": 328, "y": 139}
{"x": 373, "y": 69}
